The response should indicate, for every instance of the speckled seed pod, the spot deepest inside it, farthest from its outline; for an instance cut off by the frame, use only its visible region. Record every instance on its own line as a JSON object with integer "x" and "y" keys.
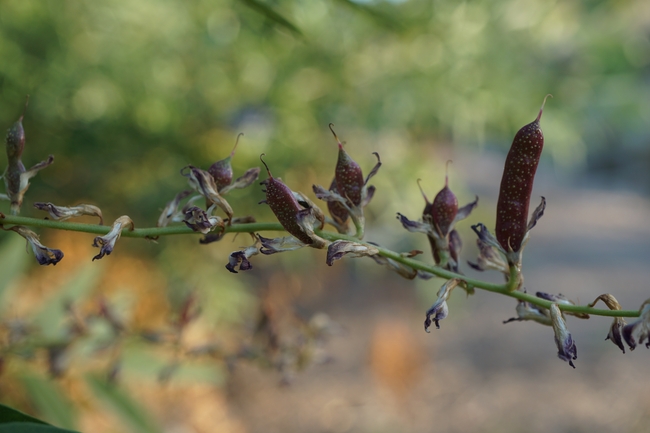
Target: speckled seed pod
{"x": 444, "y": 209}
{"x": 348, "y": 174}
{"x": 221, "y": 171}
{"x": 15, "y": 139}
{"x": 517, "y": 184}
{"x": 284, "y": 205}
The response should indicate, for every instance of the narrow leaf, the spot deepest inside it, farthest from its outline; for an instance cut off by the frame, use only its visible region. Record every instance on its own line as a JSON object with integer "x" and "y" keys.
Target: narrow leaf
{"x": 50, "y": 401}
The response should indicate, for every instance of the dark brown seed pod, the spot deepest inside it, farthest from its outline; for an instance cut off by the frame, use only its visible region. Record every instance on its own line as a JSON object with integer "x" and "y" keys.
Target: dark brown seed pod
{"x": 348, "y": 174}
{"x": 517, "y": 184}
{"x": 444, "y": 208}
{"x": 336, "y": 209}
{"x": 284, "y": 205}
{"x": 15, "y": 139}
{"x": 221, "y": 171}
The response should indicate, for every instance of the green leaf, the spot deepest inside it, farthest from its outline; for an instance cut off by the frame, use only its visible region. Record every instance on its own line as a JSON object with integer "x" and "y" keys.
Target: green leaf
{"x": 272, "y": 15}
{"x": 50, "y": 401}
{"x": 8, "y": 415}
{"x": 13, "y": 261}
{"x": 28, "y": 427}
{"x": 122, "y": 405}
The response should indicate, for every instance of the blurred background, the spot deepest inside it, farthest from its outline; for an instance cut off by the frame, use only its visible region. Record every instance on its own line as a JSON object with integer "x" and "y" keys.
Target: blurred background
{"x": 125, "y": 93}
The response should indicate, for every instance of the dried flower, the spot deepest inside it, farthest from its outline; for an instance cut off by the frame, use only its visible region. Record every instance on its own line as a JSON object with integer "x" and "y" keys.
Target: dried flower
{"x": 61, "y": 213}
{"x": 170, "y": 213}
{"x": 17, "y": 178}
{"x": 44, "y": 255}
{"x": 641, "y": 326}
{"x": 340, "y": 248}
{"x": 566, "y": 347}
{"x": 203, "y": 183}
{"x": 439, "y": 310}
{"x": 528, "y": 311}
{"x": 201, "y": 221}
{"x": 107, "y": 242}
{"x": 239, "y": 259}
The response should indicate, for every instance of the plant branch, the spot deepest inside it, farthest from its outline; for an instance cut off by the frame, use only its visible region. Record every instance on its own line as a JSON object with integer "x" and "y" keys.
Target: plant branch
{"x": 503, "y": 289}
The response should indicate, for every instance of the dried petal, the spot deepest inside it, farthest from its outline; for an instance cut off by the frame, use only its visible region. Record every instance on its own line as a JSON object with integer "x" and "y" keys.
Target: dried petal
{"x": 107, "y": 242}
{"x": 489, "y": 259}
{"x": 566, "y": 347}
{"x": 171, "y": 209}
{"x": 527, "y": 311}
{"x": 200, "y": 221}
{"x": 17, "y": 181}
{"x": 466, "y": 210}
{"x": 615, "y": 334}
{"x": 641, "y": 326}
{"x": 203, "y": 183}
{"x": 562, "y": 300}
{"x": 415, "y": 226}
{"x": 61, "y": 213}
{"x": 44, "y": 255}
{"x": 279, "y": 245}
{"x": 243, "y": 181}
{"x": 340, "y": 248}
{"x": 439, "y": 310}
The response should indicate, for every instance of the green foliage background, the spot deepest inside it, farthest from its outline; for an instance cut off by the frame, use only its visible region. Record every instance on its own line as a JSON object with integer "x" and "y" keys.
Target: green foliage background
{"x": 125, "y": 93}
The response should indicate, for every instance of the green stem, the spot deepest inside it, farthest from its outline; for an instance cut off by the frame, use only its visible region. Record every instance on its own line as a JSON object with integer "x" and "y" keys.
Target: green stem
{"x": 150, "y": 232}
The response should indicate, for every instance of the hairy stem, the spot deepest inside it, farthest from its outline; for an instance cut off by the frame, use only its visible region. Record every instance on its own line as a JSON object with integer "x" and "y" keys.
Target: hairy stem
{"x": 503, "y": 289}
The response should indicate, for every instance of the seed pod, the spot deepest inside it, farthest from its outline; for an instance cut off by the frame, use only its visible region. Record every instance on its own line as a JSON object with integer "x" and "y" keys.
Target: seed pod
{"x": 348, "y": 174}
{"x": 284, "y": 205}
{"x": 15, "y": 140}
{"x": 517, "y": 184}
{"x": 444, "y": 209}
{"x": 221, "y": 171}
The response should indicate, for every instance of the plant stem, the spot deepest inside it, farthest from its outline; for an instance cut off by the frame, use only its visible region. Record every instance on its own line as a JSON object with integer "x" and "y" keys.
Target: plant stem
{"x": 150, "y": 232}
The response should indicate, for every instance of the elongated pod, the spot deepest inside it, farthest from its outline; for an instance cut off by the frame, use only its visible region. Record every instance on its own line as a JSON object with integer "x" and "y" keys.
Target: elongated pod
{"x": 517, "y": 184}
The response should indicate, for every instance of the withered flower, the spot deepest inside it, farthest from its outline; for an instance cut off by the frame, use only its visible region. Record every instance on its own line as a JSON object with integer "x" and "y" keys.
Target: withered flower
{"x": 170, "y": 212}
{"x": 528, "y": 311}
{"x": 615, "y": 334}
{"x": 337, "y": 249}
{"x": 439, "y": 310}
{"x": 44, "y": 255}
{"x": 201, "y": 221}
{"x": 17, "y": 178}
{"x": 566, "y": 347}
{"x": 239, "y": 259}
{"x": 107, "y": 242}
{"x": 62, "y": 213}
{"x": 641, "y": 326}
{"x": 560, "y": 299}
{"x": 203, "y": 183}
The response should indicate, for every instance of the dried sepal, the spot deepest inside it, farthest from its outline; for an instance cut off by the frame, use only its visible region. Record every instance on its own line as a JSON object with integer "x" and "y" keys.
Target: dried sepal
{"x": 566, "y": 347}
{"x": 489, "y": 258}
{"x": 16, "y": 179}
{"x": 170, "y": 211}
{"x": 203, "y": 183}
{"x": 340, "y": 248}
{"x": 561, "y": 300}
{"x": 43, "y": 254}
{"x": 527, "y": 311}
{"x": 641, "y": 327}
{"x": 107, "y": 243}
{"x": 439, "y": 310}
{"x": 62, "y": 213}
{"x": 243, "y": 181}
{"x": 279, "y": 245}
{"x": 414, "y": 226}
